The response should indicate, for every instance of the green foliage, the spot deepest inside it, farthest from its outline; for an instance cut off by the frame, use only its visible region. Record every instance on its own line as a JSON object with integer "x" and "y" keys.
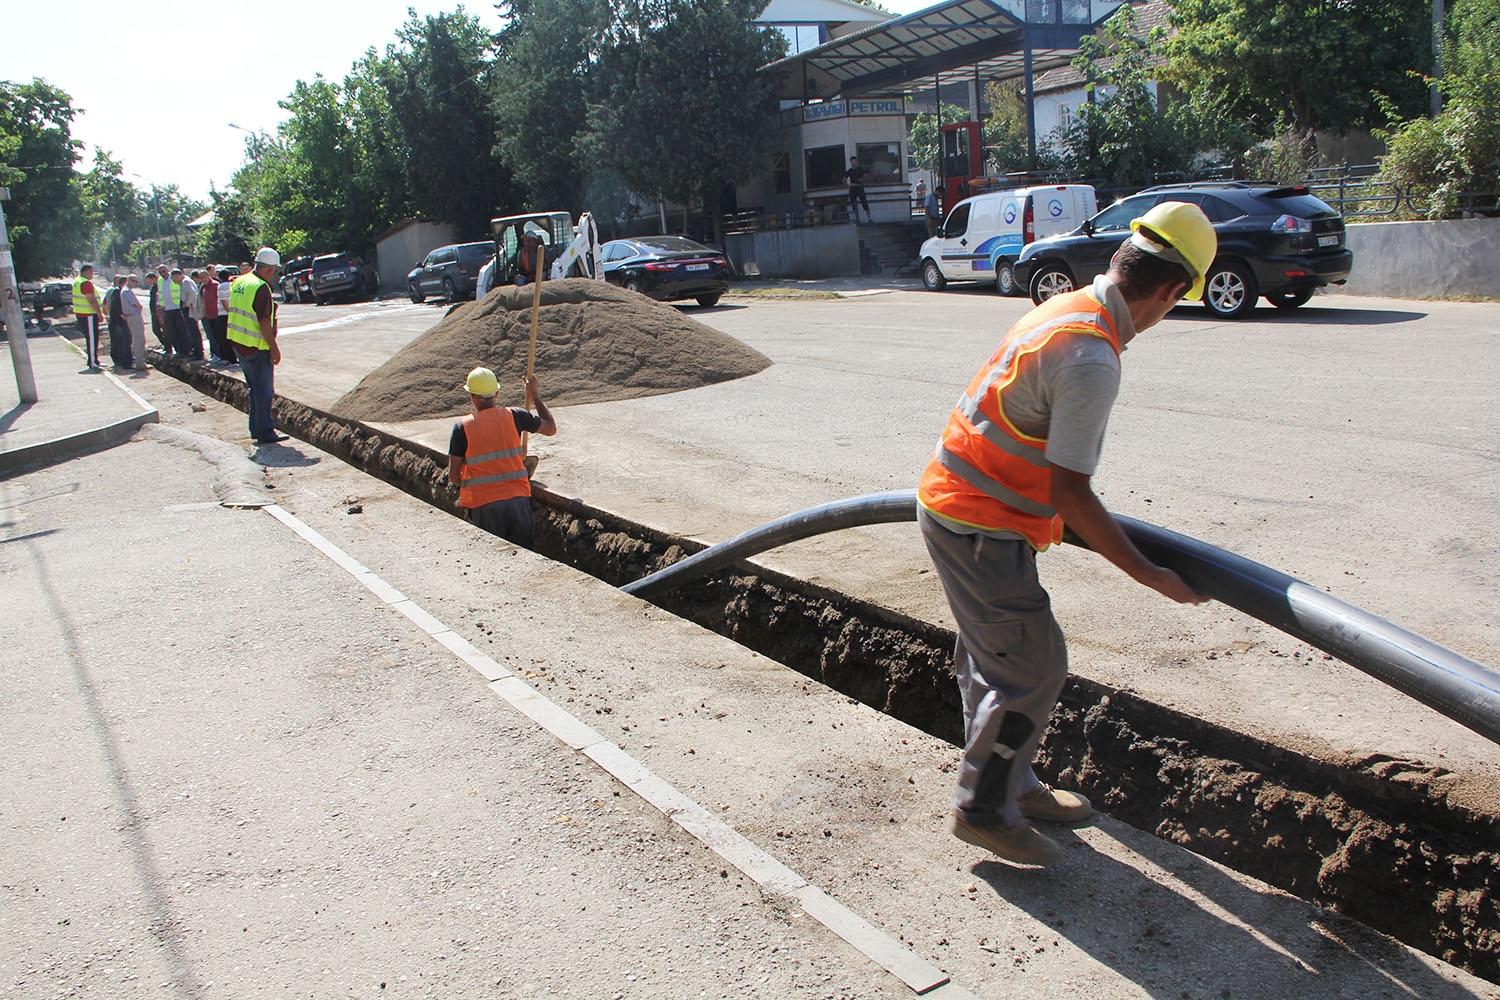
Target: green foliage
{"x": 1122, "y": 135}
{"x": 37, "y": 151}
{"x": 436, "y": 83}
{"x": 676, "y": 106}
{"x": 1432, "y": 161}
{"x": 1288, "y": 157}
{"x": 230, "y": 238}
{"x": 1315, "y": 63}
{"x": 544, "y": 58}
{"x": 924, "y": 141}
{"x": 112, "y": 208}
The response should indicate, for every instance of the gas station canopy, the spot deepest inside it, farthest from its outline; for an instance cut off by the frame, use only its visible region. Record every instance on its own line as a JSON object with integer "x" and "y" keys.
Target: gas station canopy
{"x": 953, "y": 42}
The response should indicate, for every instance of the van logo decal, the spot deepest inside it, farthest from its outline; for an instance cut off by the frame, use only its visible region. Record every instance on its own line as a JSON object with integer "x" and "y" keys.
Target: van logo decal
{"x": 1010, "y": 212}
{"x": 1055, "y": 207}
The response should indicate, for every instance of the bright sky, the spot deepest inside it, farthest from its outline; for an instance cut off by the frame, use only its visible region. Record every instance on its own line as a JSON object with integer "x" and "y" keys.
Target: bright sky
{"x": 123, "y": 64}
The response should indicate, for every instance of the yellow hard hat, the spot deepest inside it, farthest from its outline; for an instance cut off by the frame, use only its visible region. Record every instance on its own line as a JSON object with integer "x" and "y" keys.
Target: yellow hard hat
{"x": 1182, "y": 234}
{"x": 482, "y": 382}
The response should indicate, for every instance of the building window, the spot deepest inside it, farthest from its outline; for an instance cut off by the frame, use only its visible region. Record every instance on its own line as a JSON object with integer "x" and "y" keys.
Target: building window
{"x": 781, "y": 170}
{"x": 1065, "y": 116}
{"x": 801, "y": 37}
{"x": 882, "y": 160}
{"x": 825, "y": 167}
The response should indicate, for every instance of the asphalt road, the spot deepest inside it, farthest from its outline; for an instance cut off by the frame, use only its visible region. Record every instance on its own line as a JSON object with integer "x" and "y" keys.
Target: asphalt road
{"x": 1352, "y": 443}
{"x": 232, "y": 769}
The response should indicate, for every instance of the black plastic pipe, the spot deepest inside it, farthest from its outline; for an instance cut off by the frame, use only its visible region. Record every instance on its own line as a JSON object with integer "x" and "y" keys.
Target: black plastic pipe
{"x": 1461, "y": 689}
{"x": 872, "y": 508}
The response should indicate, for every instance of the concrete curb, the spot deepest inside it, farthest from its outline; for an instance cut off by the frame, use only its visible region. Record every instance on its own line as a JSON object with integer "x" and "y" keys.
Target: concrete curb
{"x": 61, "y": 449}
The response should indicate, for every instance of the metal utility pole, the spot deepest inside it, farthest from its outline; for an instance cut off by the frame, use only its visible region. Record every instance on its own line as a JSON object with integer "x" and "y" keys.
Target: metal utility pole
{"x": 15, "y": 319}
{"x": 1437, "y": 57}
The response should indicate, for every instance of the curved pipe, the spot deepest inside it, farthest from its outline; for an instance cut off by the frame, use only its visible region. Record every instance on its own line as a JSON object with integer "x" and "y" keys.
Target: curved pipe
{"x": 872, "y": 508}
{"x": 1458, "y": 687}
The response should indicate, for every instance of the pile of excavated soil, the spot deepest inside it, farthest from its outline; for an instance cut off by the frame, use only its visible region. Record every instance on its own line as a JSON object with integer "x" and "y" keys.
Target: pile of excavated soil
{"x": 594, "y": 343}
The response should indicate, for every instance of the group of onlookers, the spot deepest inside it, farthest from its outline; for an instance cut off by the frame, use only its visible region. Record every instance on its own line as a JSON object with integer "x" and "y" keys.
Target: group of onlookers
{"x": 185, "y": 307}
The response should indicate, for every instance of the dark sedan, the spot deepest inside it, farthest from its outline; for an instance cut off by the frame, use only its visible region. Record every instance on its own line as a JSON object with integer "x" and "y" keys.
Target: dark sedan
{"x": 667, "y": 268}
{"x": 1280, "y": 243}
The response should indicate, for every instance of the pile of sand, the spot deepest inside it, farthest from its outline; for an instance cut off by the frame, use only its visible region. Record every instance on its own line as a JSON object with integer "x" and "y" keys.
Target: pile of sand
{"x": 594, "y": 343}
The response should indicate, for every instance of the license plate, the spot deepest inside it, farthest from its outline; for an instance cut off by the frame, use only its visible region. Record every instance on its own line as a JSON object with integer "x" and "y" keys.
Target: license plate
{"x": 698, "y": 267}
{"x": 1328, "y": 241}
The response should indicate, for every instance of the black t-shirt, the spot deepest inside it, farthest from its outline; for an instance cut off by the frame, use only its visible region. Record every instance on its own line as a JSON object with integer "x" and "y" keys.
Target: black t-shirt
{"x": 526, "y": 423}
{"x": 856, "y": 176}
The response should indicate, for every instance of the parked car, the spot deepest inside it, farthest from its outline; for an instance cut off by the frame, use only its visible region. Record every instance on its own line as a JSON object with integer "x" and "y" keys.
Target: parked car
{"x": 296, "y": 280}
{"x": 667, "y": 268}
{"x": 449, "y": 271}
{"x": 1282, "y": 243}
{"x": 983, "y": 235}
{"x": 341, "y": 274}
{"x": 55, "y": 295}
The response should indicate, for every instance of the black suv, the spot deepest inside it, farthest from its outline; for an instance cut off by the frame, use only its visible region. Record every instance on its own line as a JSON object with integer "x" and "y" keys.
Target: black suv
{"x": 336, "y": 274}
{"x": 296, "y": 280}
{"x": 1276, "y": 242}
{"x": 449, "y": 271}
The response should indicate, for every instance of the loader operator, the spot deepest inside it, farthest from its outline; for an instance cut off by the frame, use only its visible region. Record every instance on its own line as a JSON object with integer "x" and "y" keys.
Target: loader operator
{"x": 487, "y": 461}
{"x": 528, "y": 254}
{"x": 1014, "y": 464}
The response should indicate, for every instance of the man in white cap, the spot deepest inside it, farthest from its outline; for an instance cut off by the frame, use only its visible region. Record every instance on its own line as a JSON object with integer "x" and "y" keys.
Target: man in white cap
{"x": 1014, "y": 464}
{"x": 487, "y": 461}
{"x": 252, "y": 331}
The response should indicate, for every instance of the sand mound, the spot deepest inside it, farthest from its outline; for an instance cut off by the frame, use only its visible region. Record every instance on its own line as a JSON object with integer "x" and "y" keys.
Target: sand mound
{"x": 594, "y": 343}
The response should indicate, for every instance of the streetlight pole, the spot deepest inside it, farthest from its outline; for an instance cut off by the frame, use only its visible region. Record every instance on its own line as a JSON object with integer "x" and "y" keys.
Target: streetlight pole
{"x": 15, "y": 319}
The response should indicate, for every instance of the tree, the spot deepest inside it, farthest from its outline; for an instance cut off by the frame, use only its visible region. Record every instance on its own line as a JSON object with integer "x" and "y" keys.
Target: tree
{"x": 111, "y": 208}
{"x": 677, "y": 106}
{"x": 1312, "y": 63}
{"x": 1431, "y": 161}
{"x": 436, "y": 83}
{"x": 1122, "y": 134}
{"x": 924, "y": 140}
{"x": 231, "y": 236}
{"x": 37, "y": 154}
{"x": 545, "y": 55}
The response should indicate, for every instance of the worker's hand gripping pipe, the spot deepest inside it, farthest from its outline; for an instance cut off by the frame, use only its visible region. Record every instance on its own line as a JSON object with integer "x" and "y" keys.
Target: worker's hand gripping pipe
{"x": 1461, "y": 689}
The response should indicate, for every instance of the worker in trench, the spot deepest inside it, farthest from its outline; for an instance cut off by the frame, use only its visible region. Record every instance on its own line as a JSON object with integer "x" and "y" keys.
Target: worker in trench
{"x": 1013, "y": 466}
{"x": 487, "y": 459}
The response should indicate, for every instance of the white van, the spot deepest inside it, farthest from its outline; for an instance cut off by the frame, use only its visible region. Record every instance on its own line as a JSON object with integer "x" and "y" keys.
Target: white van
{"x": 983, "y": 235}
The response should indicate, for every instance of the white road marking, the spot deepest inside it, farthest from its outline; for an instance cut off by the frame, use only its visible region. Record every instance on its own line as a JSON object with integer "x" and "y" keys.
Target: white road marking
{"x": 921, "y": 976}
{"x": 357, "y": 317}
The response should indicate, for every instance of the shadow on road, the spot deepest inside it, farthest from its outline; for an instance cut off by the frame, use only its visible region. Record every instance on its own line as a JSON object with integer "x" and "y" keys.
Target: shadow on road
{"x": 1321, "y": 315}
{"x": 1176, "y": 926}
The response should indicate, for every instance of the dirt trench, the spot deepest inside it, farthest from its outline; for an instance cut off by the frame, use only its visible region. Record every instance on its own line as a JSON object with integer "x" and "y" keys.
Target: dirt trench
{"x": 1382, "y": 840}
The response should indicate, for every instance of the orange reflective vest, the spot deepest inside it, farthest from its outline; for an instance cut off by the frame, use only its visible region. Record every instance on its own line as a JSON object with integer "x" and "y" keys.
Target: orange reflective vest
{"x": 494, "y": 465}
{"x": 986, "y": 474}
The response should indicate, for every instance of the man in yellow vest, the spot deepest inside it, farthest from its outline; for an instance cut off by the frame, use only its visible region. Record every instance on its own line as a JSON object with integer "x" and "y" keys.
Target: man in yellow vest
{"x": 1015, "y": 464}
{"x": 487, "y": 460}
{"x": 252, "y": 331}
{"x": 86, "y": 311}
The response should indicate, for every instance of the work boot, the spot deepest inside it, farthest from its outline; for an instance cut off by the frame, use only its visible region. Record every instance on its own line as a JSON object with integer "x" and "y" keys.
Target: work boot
{"x": 1052, "y": 804}
{"x": 1019, "y": 842}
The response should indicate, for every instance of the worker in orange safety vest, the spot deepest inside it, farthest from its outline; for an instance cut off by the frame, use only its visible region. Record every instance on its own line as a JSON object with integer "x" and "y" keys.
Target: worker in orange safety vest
{"x": 1014, "y": 464}
{"x": 487, "y": 461}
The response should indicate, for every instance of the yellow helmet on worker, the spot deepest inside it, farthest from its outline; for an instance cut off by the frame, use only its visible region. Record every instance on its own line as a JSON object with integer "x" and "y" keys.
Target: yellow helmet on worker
{"x": 482, "y": 382}
{"x": 1178, "y": 232}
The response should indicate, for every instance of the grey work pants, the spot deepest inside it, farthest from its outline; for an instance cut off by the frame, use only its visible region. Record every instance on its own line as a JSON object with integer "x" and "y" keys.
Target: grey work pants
{"x": 1010, "y": 660}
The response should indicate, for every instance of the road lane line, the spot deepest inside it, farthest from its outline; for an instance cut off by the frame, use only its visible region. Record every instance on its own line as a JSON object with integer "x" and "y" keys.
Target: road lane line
{"x": 919, "y": 975}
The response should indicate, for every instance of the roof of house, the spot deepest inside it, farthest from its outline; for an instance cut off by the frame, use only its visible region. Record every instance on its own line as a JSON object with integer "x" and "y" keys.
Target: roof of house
{"x": 1149, "y": 15}
{"x": 819, "y": 12}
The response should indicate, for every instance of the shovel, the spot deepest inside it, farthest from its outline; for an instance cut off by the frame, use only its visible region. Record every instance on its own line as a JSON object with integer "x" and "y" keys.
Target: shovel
{"x": 536, "y": 305}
